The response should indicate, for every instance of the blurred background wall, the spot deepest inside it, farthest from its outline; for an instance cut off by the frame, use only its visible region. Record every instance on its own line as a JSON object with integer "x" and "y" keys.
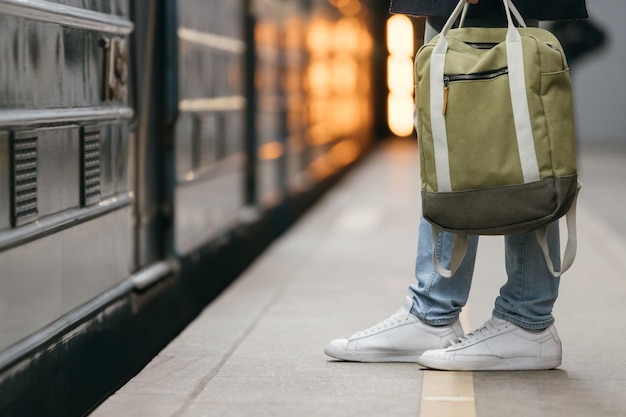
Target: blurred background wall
{"x": 600, "y": 81}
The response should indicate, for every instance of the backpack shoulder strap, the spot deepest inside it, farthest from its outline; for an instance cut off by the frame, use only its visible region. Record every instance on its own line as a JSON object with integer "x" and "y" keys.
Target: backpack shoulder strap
{"x": 459, "y": 249}
{"x": 572, "y": 241}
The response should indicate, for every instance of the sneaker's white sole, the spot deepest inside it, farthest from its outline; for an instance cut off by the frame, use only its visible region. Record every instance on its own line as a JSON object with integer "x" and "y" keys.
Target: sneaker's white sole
{"x": 515, "y": 364}
{"x": 373, "y": 356}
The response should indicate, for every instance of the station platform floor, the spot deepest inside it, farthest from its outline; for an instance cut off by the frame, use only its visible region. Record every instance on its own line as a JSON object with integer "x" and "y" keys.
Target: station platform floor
{"x": 258, "y": 349}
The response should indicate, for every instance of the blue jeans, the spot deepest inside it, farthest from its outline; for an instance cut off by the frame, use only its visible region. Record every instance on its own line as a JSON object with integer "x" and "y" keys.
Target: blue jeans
{"x": 526, "y": 299}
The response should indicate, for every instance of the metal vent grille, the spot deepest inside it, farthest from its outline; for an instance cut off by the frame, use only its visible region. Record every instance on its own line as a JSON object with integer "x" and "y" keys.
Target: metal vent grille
{"x": 24, "y": 163}
{"x": 90, "y": 165}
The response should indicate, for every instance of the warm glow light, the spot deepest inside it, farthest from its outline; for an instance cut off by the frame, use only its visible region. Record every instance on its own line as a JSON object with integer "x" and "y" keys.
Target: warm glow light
{"x": 270, "y": 150}
{"x": 344, "y": 153}
{"x": 400, "y": 75}
{"x": 347, "y": 7}
{"x": 321, "y": 167}
{"x": 318, "y": 135}
{"x": 400, "y": 114}
{"x": 400, "y": 35}
{"x": 351, "y": 8}
{"x": 346, "y": 36}
{"x": 366, "y": 43}
{"x": 265, "y": 34}
{"x": 344, "y": 116}
{"x": 400, "y": 70}
{"x": 318, "y": 36}
{"x": 318, "y": 78}
{"x": 337, "y": 82}
{"x": 344, "y": 73}
{"x": 294, "y": 33}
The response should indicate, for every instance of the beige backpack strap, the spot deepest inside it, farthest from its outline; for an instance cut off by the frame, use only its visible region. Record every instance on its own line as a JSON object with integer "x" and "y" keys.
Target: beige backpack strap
{"x": 459, "y": 250}
{"x": 572, "y": 241}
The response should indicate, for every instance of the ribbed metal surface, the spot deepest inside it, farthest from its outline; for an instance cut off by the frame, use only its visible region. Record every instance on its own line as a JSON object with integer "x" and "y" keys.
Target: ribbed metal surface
{"x": 68, "y": 16}
{"x": 24, "y": 163}
{"x": 90, "y": 167}
{"x": 24, "y": 117}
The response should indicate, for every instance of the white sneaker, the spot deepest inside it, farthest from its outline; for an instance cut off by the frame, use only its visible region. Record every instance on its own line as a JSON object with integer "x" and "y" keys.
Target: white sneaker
{"x": 498, "y": 346}
{"x": 400, "y": 338}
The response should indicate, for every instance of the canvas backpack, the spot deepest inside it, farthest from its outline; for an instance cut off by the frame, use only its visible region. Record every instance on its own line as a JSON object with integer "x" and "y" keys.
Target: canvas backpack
{"x": 495, "y": 125}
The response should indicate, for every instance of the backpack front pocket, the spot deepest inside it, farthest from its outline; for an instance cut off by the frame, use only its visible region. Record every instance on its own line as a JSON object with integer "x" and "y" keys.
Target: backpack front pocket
{"x": 482, "y": 149}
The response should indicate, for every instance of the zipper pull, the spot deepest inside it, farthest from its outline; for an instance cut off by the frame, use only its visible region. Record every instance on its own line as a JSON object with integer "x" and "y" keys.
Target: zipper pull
{"x": 446, "y": 87}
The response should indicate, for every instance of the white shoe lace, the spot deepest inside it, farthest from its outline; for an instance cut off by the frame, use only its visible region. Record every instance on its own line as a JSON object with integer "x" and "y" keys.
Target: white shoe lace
{"x": 489, "y": 328}
{"x": 397, "y": 318}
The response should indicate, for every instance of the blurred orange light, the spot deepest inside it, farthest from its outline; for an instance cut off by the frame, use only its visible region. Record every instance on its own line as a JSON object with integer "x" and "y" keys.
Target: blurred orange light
{"x": 400, "y": 75}
{"x": 294, "y": 33}
{"x": 346, "y": 35}
{"x": 318, "y": 77}
{"x": 366, "y": 43}
{"x": 265, "y": 33}
{"x": 345, "y": 117}
{"x": 400, "y": 72}
{"x": 321, "y": 168}
{"x": 318, "y": 135}
{"x": 344, "y": 75}
{"x": 271, "y": 150}
{"x": 339, "y": 3}
{"x": 318, "y": 36}
{"x": 400, "y": 114}
{"x": 350, "y": 7}
{"x": 344, "y": 153}
{"x": 400, "y": 35}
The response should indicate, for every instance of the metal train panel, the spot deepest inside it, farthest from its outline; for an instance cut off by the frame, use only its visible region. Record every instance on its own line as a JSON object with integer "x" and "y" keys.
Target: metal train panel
{"x": 48, "y": 277}
{"x": 65, "y": 199}
{"x": 209, "y": 147}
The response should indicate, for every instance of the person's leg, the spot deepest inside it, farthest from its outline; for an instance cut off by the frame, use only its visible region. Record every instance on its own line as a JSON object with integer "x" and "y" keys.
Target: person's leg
{"x": 521, "y": 334}
{"x": 428, "y": 319}
{"x": 437, "y": 300}
{"x": 529, "y": 294}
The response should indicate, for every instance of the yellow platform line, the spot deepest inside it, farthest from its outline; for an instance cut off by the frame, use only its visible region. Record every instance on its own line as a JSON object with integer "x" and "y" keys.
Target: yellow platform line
{"x": 447, "y": 394}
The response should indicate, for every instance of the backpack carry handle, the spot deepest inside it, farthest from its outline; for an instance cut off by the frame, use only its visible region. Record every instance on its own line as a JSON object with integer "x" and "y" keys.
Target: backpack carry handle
{"x": 516, "y": 14}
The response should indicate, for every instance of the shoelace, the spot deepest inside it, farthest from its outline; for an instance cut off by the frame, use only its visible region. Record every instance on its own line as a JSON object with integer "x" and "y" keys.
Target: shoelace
{"x": 479, "y": 334}
{"x": 397, "y": 318}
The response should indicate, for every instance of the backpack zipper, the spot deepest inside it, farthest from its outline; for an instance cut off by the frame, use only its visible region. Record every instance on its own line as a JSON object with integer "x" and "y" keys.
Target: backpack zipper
{"x": 483, "y": 75}
{"x": 482, "y": 45}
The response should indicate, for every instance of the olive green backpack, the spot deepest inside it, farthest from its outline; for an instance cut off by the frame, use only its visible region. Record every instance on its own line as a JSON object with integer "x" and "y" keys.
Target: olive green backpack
{"x": 496, "y": 133}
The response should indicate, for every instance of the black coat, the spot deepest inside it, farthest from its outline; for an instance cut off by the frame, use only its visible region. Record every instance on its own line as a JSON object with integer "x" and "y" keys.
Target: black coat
{"x": 530, "y": 9}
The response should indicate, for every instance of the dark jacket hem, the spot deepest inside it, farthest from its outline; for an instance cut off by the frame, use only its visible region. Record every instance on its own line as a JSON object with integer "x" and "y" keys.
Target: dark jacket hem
{"x": 487, "y": 9}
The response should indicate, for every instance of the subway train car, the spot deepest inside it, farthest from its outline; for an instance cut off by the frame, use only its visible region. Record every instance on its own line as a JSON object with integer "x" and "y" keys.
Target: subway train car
{"x": 149, "y": 150}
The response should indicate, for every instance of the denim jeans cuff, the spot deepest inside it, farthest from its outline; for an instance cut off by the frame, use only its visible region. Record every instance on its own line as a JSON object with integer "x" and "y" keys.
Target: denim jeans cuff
{"x": 433, "y": 322}
{"x": 523, "y": 323}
